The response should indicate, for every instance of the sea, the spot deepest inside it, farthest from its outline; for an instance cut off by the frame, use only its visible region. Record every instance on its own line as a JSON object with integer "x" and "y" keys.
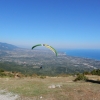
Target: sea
{"x": 84, "y": 53}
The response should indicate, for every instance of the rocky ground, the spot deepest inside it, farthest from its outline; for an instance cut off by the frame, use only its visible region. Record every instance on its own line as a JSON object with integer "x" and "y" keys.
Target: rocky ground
{"x": 8, "y": 96}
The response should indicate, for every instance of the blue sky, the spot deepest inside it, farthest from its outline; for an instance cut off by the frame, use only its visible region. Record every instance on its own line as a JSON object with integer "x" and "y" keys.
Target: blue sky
{"x": 60, "y": 23}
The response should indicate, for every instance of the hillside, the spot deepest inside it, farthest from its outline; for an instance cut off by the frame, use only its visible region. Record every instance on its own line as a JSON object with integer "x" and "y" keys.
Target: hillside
{"x": 22, "y": 78}
{"x": 29, "y": 61}
{"x": 6, "y": 46}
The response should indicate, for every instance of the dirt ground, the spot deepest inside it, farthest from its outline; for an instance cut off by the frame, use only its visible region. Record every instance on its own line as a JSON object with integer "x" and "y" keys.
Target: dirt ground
{"x": 50, "y": 88}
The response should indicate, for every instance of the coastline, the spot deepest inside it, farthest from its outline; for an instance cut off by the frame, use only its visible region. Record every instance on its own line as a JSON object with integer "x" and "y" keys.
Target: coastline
{"x": 83, "y": 53}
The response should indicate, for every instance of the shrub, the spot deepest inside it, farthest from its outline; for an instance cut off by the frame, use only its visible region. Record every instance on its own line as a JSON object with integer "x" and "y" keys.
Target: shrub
{"x": 81, "y": 77}
{"x": 2, "y": 74}
{"x": 1, "y": 70}
{"x": 42, "y": 77}
{"x": 10, "y": 75}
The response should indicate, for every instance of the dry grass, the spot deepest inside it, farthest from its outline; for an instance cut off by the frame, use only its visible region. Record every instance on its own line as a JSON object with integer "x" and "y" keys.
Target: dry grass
{"x": 93, "y": 77}
{"x": 37, "y": 88}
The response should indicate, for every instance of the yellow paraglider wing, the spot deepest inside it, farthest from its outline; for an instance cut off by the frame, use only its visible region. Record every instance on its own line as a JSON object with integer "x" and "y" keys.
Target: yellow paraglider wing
{"x": 51, "y": 48}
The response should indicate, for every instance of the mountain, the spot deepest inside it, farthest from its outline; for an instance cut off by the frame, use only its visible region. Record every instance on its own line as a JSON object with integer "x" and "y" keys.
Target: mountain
{"x": 6, "y": 46}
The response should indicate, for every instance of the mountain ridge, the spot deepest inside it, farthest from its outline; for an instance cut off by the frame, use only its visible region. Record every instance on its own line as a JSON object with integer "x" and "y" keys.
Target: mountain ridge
{"x": 6, "y": 46}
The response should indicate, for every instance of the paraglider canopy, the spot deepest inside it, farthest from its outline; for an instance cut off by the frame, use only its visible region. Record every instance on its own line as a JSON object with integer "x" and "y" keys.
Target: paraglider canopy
{"x": 47, "y": 46}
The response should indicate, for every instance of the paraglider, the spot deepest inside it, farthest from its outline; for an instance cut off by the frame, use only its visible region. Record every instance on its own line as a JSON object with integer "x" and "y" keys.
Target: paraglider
{"x": 40, "y": 67}
{"x": 47, "y": 46}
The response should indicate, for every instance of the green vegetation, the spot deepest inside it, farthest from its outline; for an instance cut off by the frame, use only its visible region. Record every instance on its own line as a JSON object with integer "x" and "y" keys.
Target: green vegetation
{"x": 29, "y": 62}
{"x": 96, "y": 72}
{"x": 28, "y": 70}
{"x": 47, "y": 70}
{"x": 93, "y": 72}
{"x": 81, "y": 77}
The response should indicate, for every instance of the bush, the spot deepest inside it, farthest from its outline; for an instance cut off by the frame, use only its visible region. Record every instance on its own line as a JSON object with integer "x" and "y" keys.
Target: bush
{"x": 96, "y": 72}
{"x": 10, "y": 75}
{"x": 81, "y": 77}
{"x": 2, "y": 74}
{"x": 1, "y": 70}
{"x": 42, "y": 77}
